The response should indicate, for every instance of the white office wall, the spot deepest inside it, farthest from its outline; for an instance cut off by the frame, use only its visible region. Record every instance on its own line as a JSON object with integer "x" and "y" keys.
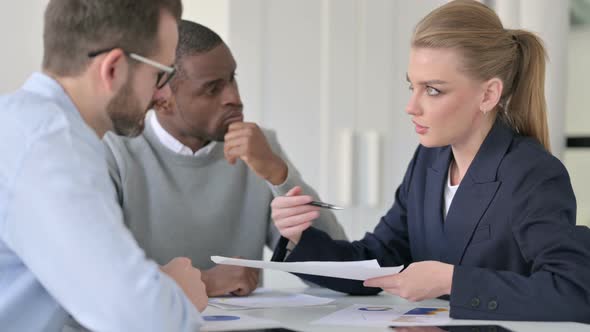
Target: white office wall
{"x": 21, "y": 27}
{"x": 578, "y": 118}
{"x": 211, "y": 13}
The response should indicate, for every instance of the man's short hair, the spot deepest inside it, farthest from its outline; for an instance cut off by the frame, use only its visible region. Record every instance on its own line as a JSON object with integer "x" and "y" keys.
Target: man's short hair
{"x": 74, "y": 28}
{"x": 193, "y": 38}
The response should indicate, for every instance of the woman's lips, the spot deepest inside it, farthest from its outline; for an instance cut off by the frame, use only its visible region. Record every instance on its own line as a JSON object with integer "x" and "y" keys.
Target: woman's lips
{"x": 421, "y": 130}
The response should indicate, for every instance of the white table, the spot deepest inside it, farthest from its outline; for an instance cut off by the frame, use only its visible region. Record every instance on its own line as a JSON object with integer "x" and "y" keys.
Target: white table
{"x": 299, "y": 318}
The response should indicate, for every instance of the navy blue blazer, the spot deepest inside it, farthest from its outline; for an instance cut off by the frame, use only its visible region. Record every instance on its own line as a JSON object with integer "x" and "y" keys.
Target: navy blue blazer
{"x": 510, "y": 233}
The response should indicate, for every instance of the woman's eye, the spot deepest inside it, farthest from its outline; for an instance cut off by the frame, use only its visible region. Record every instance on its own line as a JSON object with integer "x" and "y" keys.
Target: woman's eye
{"x": 411, "y": 87}
{"x": 432, "y": 91}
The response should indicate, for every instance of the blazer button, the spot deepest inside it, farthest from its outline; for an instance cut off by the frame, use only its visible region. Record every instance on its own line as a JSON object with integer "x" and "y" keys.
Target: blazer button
{"x": 492, "y": 305}
{"x": 475, "y": 302}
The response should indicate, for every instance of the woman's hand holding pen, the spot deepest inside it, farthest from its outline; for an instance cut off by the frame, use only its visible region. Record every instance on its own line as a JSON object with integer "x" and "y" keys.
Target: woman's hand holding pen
{"x": 292, "y": 214}
{"x": 419, "y": 281}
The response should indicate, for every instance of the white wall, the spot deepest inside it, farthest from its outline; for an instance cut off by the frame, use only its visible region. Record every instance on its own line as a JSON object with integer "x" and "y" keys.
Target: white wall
{"x": 21, "y": 27}
{"x": 578, "y": 118}
{"x": 211, "y": 13}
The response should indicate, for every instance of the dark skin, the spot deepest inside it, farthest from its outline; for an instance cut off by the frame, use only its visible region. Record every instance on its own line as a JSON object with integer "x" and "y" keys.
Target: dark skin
{"x": 206, "y": 106}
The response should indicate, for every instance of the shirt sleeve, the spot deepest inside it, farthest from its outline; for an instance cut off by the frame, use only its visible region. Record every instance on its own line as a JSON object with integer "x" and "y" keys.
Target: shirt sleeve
{"x": 115, "y": 170}
{"x": 63, "y": 223}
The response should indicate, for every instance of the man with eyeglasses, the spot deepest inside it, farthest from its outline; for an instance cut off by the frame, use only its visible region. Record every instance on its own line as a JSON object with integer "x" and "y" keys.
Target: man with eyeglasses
{"x": 64, "y": 248}
{"x": 199, "y": 180}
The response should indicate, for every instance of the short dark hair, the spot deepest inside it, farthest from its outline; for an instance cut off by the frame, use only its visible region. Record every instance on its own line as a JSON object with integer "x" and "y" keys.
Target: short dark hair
{"x": 193, "y": 38}
{"x": 74, "y": 28}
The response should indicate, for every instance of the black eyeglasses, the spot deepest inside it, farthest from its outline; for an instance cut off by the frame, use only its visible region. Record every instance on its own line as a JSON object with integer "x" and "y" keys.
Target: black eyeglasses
{"x": 164, "y": 75}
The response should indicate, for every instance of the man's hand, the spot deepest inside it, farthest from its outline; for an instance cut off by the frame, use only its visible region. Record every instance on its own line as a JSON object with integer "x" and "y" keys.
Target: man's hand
{"x": 419, "y": 281}
{"x": 189, "y": 279}
{"x": 246, "y": 141}
{"x": 292, "y": 215}
{"x": 225, "y": 279}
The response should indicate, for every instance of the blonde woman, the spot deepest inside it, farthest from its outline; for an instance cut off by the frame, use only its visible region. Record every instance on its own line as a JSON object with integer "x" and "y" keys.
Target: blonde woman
{"x": 485, "y": 213}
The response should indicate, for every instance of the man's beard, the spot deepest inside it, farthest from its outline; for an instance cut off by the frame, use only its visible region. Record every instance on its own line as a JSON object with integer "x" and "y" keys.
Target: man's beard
{"x": 126, "y": 112}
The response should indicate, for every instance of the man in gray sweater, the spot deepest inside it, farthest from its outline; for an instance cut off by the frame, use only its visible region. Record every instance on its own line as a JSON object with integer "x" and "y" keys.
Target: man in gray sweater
{"x": 199, "y": 181}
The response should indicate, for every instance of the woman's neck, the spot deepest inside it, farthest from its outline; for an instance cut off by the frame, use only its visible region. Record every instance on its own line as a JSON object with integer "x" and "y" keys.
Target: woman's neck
{"x": 464, "y": 152}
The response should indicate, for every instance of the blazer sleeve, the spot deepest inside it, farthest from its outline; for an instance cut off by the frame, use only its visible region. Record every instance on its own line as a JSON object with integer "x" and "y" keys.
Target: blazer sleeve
{"x": 558, "y": 288}
{"x": 388, "y": 244}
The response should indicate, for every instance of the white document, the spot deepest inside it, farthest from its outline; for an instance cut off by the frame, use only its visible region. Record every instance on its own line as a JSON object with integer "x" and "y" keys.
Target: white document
{"x": 356, "y": 270}
{"x": 387, "y": 315}
{"x": 262, "y": 298}
{"x": 224, "y": 322}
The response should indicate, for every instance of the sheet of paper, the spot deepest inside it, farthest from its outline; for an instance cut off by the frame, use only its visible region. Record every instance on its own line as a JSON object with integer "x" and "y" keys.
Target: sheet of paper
{"x": 386, "y": 315}
{"x": 225, "y": 322}
{"x": 357, "y": 270}
{"x": 262, "y": 298}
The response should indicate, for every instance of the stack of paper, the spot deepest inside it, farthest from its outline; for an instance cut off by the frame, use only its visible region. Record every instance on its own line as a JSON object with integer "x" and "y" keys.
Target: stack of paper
{"x": 265, "y": 299}
{"x": 356, "y": 270}
{"x": 387, "y": 315}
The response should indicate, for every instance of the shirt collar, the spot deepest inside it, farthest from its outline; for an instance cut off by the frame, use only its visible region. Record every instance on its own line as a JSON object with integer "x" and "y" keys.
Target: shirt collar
{"x": 46, "y": 86}
{"x": 172, "y": 143}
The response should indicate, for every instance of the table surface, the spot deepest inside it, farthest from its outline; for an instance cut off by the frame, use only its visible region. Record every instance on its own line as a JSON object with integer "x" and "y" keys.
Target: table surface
{"x": 299, "y": 318}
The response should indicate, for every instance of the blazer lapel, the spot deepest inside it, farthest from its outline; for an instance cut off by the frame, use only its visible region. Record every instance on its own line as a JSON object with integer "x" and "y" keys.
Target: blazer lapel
{"x": 475, "y": 193}
{"x": 469, "y": 205}
{"x": 433, "y": 203}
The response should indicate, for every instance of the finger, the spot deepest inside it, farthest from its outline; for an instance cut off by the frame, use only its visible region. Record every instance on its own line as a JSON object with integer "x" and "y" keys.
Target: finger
{"x": 240, "y": 125}
{"x": 245, "y": 132}
{"x": 242, "y": 288}
{"x": 230, "y": 158}
{"x": 179, "y": 263}
{"x": 391, "y": 281}
{"x": 282, "y": 202}
{"x": 296, "y": 220}
{"x": 393, "y": 291}
{"x": 235, "y": 142}
{"x": 252, "y": 283}
{"x": 278, "y": 214}
{"x": 241, "y": 292}
{"x": 236, "y": 152}
{"x": 294, "y": 191}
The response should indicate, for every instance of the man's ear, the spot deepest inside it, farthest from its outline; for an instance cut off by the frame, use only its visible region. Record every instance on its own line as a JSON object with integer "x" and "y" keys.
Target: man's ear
{"x": 114, "y": 70}
{"x": 165, "y": 103}
{"x": 491, "y": 95}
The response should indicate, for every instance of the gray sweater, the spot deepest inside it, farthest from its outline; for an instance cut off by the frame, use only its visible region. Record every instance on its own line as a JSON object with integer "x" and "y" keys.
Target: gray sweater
{"x": 198, "y": 206}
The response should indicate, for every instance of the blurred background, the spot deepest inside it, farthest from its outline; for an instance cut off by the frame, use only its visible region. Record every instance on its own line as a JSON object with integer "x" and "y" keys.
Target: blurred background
{"x": 329, "y": 77}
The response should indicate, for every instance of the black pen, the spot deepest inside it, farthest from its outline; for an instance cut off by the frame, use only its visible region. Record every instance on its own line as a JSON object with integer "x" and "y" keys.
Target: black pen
{"x": 325, "y": 205}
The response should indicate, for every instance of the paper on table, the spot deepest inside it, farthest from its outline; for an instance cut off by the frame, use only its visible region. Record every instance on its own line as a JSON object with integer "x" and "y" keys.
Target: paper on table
{"x": 262, "y": 299}
{"x": 386, "y": 315}
{"x": 356, "y": 270}
{"x": 224, "y": 322}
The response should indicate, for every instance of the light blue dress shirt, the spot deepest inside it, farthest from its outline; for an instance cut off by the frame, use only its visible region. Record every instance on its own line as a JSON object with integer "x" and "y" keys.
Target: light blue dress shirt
{"x": 63, "y": 245}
